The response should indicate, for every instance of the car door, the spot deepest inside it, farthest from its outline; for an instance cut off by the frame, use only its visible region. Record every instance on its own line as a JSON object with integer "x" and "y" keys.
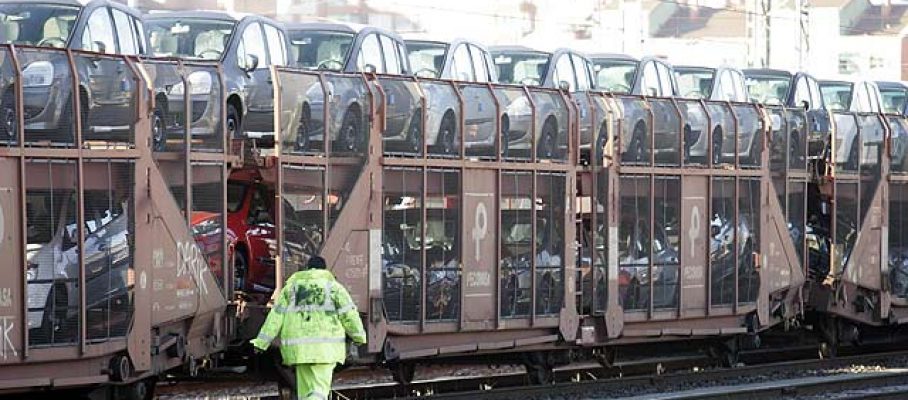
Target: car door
{"x": 485, "y": 112}
{"x": 277, "y": 55}
{"x": 121, "y": 90}
{"x": 402, "y": 102}
{"x": 817, "y": 116}
{"x": 581, "y": 98}
{"x": 252, "y": 57}
{"x": 98, "y": 76}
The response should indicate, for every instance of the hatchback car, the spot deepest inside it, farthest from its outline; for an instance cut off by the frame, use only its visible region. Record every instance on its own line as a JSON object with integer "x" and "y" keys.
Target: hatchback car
{"x": 351, "y": 48}
{"x": 563, "y": 69}
{"x": 463, "y": 61}
{"x": 244, "y": 45}
{"x": 861, "y": 97}
{"x": 105, "y": 87}
{"x": 793, "y": 90}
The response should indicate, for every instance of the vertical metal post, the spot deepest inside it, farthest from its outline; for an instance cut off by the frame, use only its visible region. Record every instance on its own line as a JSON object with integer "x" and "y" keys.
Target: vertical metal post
{"x": 23, "y": 203}
{"x": 80, "y": 197}
{"x": 533, "y": 285}
{"x": 279, "y": 180}
{"x": 423, "y": 295}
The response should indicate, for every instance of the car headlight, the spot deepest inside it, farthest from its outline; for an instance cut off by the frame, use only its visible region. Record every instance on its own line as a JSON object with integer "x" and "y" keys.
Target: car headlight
{"x": 38, "y": 74}
{"x": 199, "y": 82}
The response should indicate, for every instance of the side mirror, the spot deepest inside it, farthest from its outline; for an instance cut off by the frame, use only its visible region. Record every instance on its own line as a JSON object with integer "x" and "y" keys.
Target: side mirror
{"x": 564, "y": 85}
{"x": 369, "y": 68}
{"x": 805, "y": 105}
{"x": 251, "y": 62}
{"x": 100, "y": 47}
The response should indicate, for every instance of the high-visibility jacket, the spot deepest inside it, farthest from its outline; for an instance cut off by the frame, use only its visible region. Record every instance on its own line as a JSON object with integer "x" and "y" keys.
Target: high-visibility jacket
{"x": 312, "y": 314}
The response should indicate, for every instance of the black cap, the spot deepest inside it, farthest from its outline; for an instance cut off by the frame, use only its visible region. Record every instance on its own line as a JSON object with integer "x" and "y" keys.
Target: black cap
{"x": 316, "y": 262}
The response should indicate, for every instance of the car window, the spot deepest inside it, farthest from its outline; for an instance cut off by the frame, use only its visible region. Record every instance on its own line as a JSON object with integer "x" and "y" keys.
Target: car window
{"x": 392, "y": 59}
{"x": 861, "y": 100}
{"x": 740, "y": 88}
{"x": 727, "y": 87}
{"x": 36, "y": 24}
{"x": 461, "y": 65}
{"x": 816, "y": 97}
{"x": 276, "y": 45}
{"x": 874, "y": 94}
{"x": 140, "y": 36}
{"x": 615, "y": 76}
{"x": 192, "y": 38}
{"x": 564, "y": 72}
{"x": 98, "y": 34}
{"x": 125, "y": 32}
{"x": 665, "y": 80}
{"x": 582, "y": 72}
{"x": 253, "y": 44}
{"x": 321, "y": 50}
{"x": 521, "y": 68}
{"x": 649, "y": 81}
{"x": 479, "y": 64}
{"x": 370, "y": 54}
{"x": 802, "y": 92}
{"x": 493, "y": 72}
{"x": 427, "y": 59}
{"x": 894, "y": 99}
{"x": 404, "y": 62}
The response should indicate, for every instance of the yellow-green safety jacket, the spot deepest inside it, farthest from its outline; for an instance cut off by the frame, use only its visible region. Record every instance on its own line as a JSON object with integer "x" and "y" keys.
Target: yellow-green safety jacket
{"x": 311, "y": 316}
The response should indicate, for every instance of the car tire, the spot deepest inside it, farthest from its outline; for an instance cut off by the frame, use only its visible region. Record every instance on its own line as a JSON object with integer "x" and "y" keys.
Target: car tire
{"x": 240, "y": 270}
{"x": 158, "y": 130}
{"x": 234, "y": 128}
{"x": 716, "y": 150}
{"x": 54, "y": 315}
{"x": 9, "y": 121}
{"x": 638, "y": 147}
{"x": 601, "y": 140}
{"x": 547, "y": 145}
{"x": 139, "y": 390}
{"x": 854, "y": 157}
{"x": 350, "y": 136}
{"x": 446, "y": 135}
{"x": 302, "y": 132}
{"x": 504, "y": 136}
{"x": 414, "y": 133}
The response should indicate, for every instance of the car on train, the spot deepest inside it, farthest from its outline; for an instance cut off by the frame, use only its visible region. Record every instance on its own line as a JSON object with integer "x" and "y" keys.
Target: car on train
{"x": 101, "y": 26}
{"x": 773, "y": 87}
{"x": 894, "y": 96}
{"x": 244, "y": 46}
{"x": 463, "y": 61}
{"x": 350, "y": 48}
{"x": 563, "y": 69}
{"x": 862, "y": 97}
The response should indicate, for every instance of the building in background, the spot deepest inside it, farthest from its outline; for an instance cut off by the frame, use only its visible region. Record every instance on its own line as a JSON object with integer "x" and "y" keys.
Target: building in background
{"x": 827, "y": 37}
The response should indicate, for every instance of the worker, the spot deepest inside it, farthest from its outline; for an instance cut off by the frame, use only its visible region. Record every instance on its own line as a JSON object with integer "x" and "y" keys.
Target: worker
{"x": 312, "y": 314}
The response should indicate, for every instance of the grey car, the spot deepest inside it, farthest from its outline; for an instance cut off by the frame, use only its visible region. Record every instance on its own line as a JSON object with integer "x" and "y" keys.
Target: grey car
{"x": 563, "y": 69}
{"x": 858, "y": 97}
{"x": 245, "y": 46}
{"x": 105, "y": 86}
{"x": 463, "y": 61}
{"x": 349, "y": 48}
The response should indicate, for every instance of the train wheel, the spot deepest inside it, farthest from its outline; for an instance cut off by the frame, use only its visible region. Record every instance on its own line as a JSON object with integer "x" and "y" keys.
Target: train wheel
{"x": 138, "y": 390}
{"x": 606, "y": 356}
{"x": 403, "y": 373}
{"x": 540, "y": 368}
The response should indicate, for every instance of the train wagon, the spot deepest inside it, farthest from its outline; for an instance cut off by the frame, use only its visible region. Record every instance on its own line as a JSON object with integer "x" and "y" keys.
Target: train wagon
{"x": 537, "y": 259}
{"x": 110, "y": 276}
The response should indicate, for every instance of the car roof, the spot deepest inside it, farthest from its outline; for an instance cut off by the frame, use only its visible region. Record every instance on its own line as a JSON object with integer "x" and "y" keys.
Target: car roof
{"x": 695, "y": 68}
{"x": 767, "y": 72}
{"x": 78, "y": 3}
{"x": 322, "y": 24}
{"x": 612, "y": 56}
{"x": 200, "y": 14}
{"x": 516, "y": 49}
{"x": 891, "y": 85}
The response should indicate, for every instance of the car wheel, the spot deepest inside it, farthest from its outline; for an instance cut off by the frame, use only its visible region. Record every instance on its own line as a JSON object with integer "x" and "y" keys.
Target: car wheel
{"x": 234, "y": 130}
{"x": 853, "y": 157}
{"x": 638, "y": 147}
{"x": 446, "y": 135}
{"x": 505, "y": 136}
{"x": 158, "y": 130}
{"x": 53, "y": 319}
{"x": 547, "y": 146}
{"x": 414, "y": 133}
{"x": 600, "y": 144}
{"x": 9, "y": 125}
{"x": 717, "y": 146}
{"x": 240, "y": 270}
{"x": 302, "y": 132}
{"x": 350, "y": 131}
{"x": 139, "y": 390}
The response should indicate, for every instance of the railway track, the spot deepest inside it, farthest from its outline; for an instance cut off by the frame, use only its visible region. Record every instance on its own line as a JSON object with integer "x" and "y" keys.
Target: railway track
{"x": 767, "y": 373}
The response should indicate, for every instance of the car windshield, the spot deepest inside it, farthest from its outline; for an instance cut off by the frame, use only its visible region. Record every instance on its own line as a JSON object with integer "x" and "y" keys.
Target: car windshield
{"x": 769, "y": 90}
{"x": 836, "y": 95}
{"x": 615, "y": 76}
{"x": 695, "y": 83}
{"x": 204, "y": 39}
{"x": 427, "y": 58}
{"x": 521, "y": 68}
{"x": 26, "y": 23}
{"x": 894, "y": 100}
{"x": 320, "y": 50}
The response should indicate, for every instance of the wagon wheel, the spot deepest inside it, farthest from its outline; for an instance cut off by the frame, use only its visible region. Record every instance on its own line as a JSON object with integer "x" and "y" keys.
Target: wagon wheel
{"x": 403, "y": 373}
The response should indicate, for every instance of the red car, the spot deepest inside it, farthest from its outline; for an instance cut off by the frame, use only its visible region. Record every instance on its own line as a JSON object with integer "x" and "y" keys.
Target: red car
{"x": 250, "y": 211}
{"x": 206, "y": 230}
